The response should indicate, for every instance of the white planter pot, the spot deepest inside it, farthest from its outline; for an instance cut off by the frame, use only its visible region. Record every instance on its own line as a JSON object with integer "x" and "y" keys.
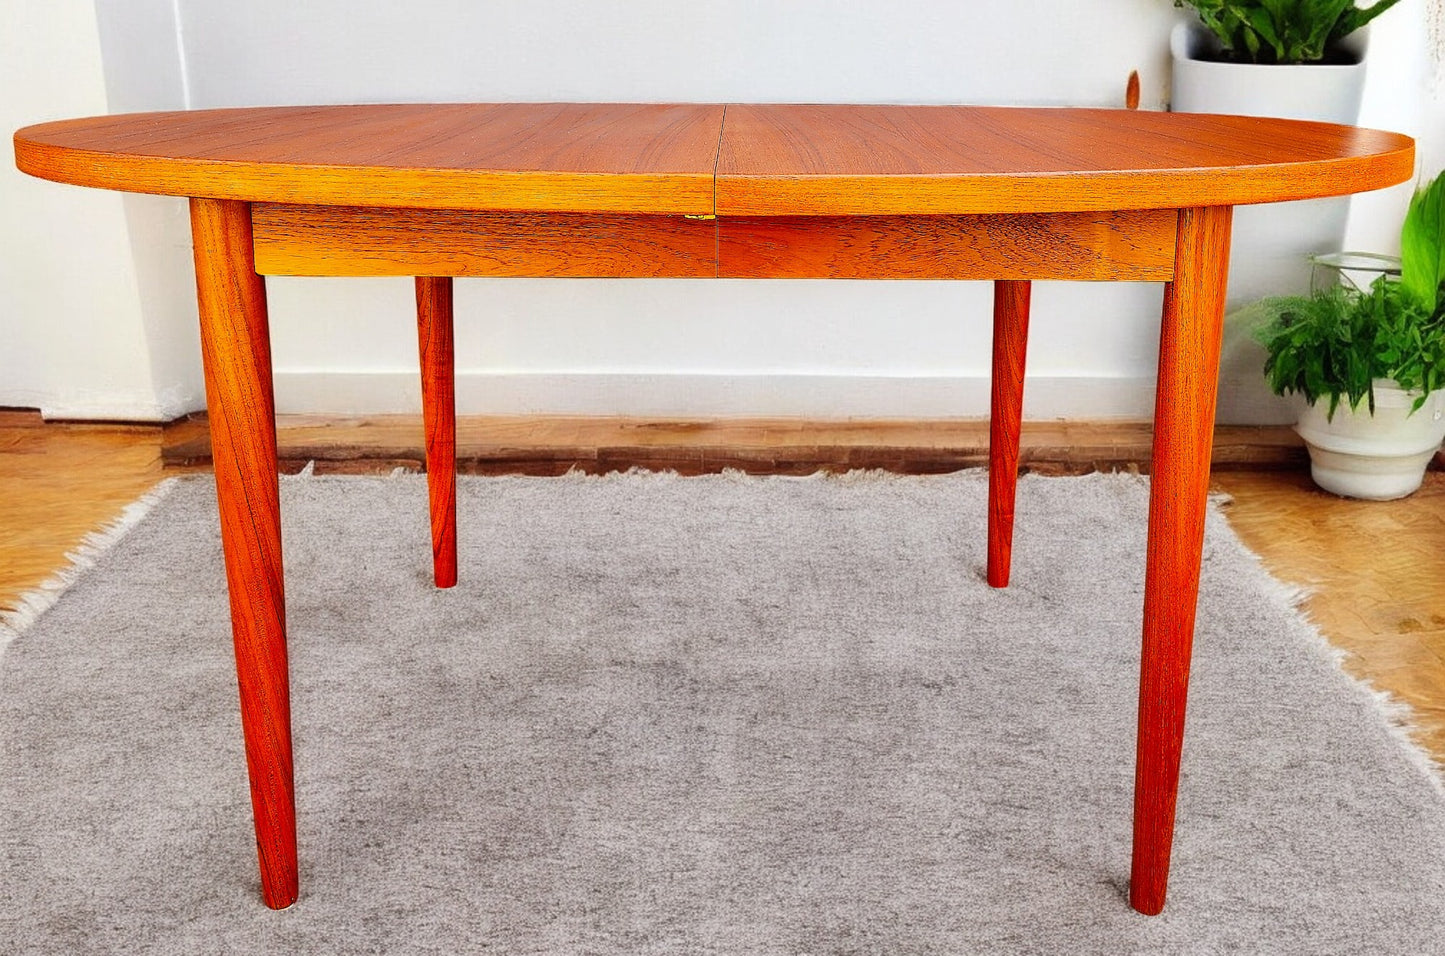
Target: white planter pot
{"x": 1270, "y": 244}
{"x": 1327, "y": 93}
{"x": 1380, "y": 456}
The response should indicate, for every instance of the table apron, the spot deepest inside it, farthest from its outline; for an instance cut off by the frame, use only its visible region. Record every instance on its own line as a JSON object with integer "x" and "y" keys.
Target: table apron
{"x": 367, "y": 241}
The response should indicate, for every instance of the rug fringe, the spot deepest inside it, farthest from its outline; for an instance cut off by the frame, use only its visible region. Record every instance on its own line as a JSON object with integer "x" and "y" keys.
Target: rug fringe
{"x": 32, "y": 604}
{"x": 1397, "y": 715}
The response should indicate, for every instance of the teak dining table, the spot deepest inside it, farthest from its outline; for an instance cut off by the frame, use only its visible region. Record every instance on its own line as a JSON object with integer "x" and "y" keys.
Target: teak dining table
{"x": 702, "y": 191}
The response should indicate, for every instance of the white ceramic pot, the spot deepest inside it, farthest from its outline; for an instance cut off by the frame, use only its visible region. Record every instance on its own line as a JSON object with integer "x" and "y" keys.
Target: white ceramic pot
{"x": 1328, "y": 93}
{"x": 1270, "y": 244}
{"x": 1380, "y": 456}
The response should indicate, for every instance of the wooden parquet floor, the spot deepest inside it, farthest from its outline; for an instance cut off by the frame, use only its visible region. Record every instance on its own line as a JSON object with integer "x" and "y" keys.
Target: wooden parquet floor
{"x": 1376, "y": 571}
{"x": 59, "y": 482}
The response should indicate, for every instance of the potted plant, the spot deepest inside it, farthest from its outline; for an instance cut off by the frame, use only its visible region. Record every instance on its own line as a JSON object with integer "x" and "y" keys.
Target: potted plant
{"x": 1282, "y": 31}
{"x": 1369, "y": 364}
{"x": 1298, "y": 59}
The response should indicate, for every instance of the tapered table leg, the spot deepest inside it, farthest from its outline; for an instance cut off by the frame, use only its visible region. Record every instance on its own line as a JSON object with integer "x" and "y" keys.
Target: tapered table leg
{"x": 236, "y": 350}
{"x": 1010, "y": 343}
{"x": 438, "y": 403}
{"x": 1178, "y": 489}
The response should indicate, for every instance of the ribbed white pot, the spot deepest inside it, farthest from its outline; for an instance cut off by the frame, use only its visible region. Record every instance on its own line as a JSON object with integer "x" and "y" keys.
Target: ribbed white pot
{"x": 1270, "y": 245}
{"x": 1380, "y": 456}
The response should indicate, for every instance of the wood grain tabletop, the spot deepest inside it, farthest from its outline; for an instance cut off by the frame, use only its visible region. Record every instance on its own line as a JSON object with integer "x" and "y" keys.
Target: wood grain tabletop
{"x": 884, "y": 160}
{"x": 738, "y": 160}
{"x": 556, "y": 157}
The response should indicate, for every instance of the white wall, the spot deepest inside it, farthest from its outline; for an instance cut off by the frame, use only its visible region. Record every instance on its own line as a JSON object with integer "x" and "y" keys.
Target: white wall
{"x": 1403, "y": 88}
{"x": 141, "y": 48}
{"x": 72, "y": 334}
{"x": 678, "y": 347}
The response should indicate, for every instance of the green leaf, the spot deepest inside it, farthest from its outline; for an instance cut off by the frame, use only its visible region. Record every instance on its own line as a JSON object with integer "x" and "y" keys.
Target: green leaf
{"x": 1317, "y": 22}
{"x": 1354, "y": 18}
{"x": 1262, "y": 22}
{"x": 1422, "y": 246}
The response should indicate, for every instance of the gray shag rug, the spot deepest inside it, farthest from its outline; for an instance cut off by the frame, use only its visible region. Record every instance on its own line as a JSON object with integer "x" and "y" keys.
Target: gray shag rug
{"x": 698, "y": 715}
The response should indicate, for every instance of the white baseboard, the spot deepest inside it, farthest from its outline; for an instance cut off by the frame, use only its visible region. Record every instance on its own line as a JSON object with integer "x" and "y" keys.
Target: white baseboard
{"x": 317, "y": 391}
{"x": 1242, "y": 401}
{"x": 106, "y": 406}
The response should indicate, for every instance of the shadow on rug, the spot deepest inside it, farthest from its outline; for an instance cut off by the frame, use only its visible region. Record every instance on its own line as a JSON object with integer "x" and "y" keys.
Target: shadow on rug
{"x": 702, "y": 715}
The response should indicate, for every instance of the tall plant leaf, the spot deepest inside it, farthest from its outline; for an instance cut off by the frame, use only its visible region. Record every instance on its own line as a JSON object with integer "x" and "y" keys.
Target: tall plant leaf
{"x": 1422, "y": 246}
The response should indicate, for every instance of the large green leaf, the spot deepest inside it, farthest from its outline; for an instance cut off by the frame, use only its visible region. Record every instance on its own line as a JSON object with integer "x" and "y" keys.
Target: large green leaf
{"x": 1262, "y": 23}
{"x": 1422, "y": 246}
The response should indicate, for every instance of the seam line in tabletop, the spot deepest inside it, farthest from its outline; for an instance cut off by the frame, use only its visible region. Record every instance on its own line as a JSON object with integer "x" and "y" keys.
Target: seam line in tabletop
{"x": 716, "y": 230}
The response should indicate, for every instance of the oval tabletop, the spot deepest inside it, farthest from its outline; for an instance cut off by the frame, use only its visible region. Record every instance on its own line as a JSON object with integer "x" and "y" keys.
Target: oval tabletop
{"x": 738, "y": 160}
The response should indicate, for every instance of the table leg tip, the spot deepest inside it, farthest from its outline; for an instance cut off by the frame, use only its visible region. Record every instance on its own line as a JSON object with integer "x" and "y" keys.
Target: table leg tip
{"x": 280, "y": 898}
{"x": 1148, "y": 903}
